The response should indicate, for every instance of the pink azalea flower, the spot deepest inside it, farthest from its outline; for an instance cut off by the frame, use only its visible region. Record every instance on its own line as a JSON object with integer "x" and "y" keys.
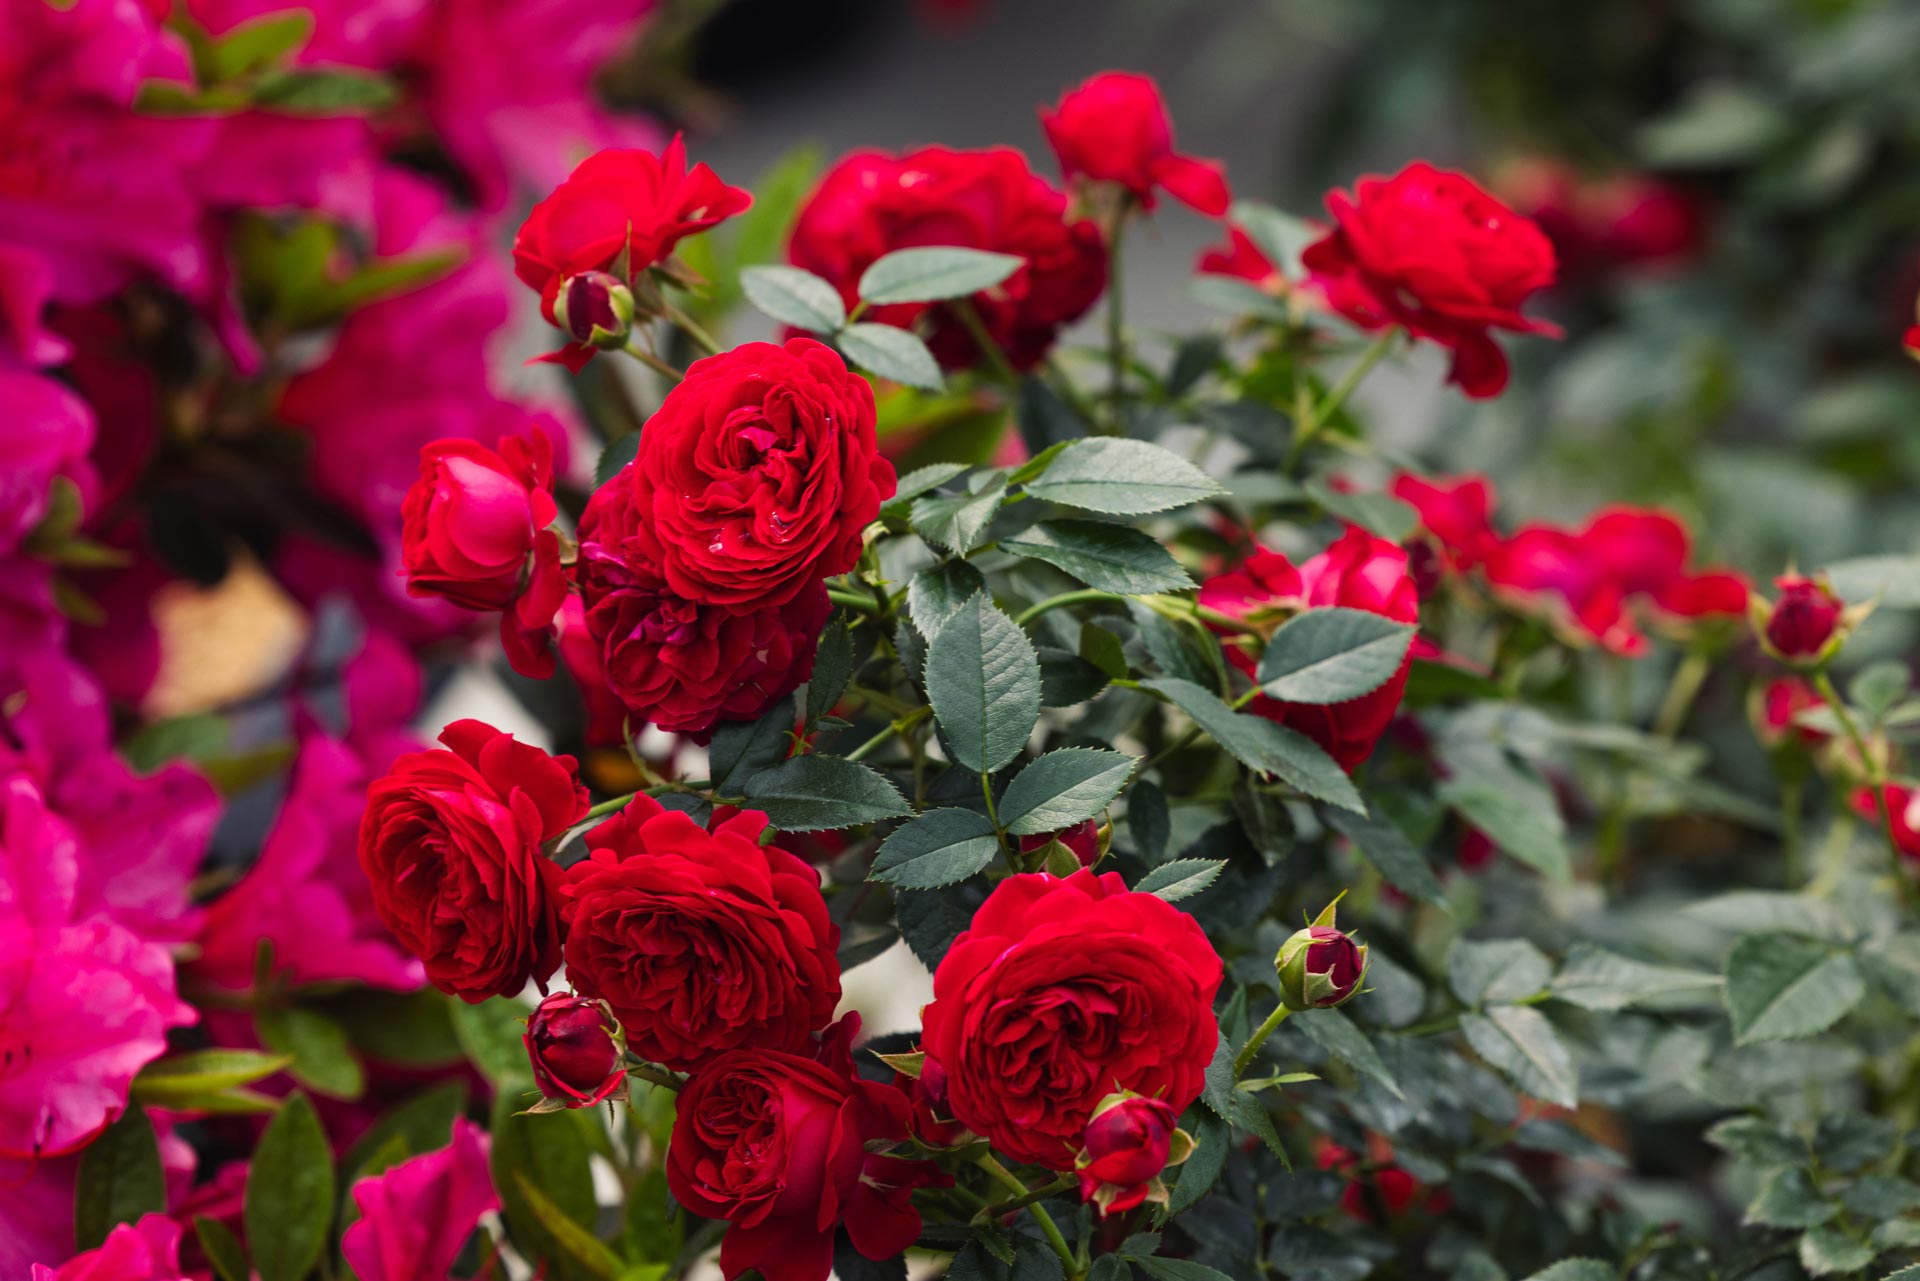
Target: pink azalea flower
{"x": 415, "y": 1218}
{"x": 26, "y": 285}
{"x": 48, "y": 433}
{"x": 145, "y": 1251}
{"x": 87, "y": 1002}
{"x": 36, "y": 1213}
{"x": 307, "y": 894}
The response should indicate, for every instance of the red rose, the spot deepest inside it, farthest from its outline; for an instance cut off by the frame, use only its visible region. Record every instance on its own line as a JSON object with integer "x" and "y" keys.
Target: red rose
{"x": 619, "y": 199}
{"x": 777, "y": 1144}
{"x": 474, "y": 530}
{"x": 573, "y": 1044}
{"x": 1903, "y": 809}
{"x": 683, "y": 665}
{"x": 1429, "y": 250}
{"x": 1805, "y": 617}
{"x": 1911, "y": 341}
{"x": 1776, "y": 712}
{"x": 1061, "y": 992}
{"x": 1457, "y": 514}
{"x": 757, "y": 475}
{"x": 871, "y": 204}
{"x": 1376, "y": 1184}
{"x": 1114, "y": 128}
{"x": 1241, "y": 259}
{"x": 1129, "y": 1141}
{"x": 701, "y": 941}
{"x": 451, "y": 841}
{"x": 1359, "y": 572}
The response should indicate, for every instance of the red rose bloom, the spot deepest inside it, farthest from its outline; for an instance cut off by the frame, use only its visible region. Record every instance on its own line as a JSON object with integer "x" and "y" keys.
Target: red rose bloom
{"x": 573, "y": 1046}
{"x": 1114, "y": 128}
{"x": 871, "y": 204}
{"x": 1429, "y": 250}
{"x": 1359, "y": 572}
{"x": 451, "y": 841}
{"x": 474, "y": 530}
{"x": 1376, "y": 1183}
{"x": 777, "y": 1144}
{"x": 1776, "y": 710}
{"x": 701, "y": 941}
{"x": 616, "y": 199}
{"x": 1241, "y": 259}
{"x": 757, "y": 475}
{"x": 1058, "y": 994}
{"x": 1903, "y": 808}
{"x": 1457, "y": 515}
{"x": 683, "y": 665}
{"x": 1804, "y": 618}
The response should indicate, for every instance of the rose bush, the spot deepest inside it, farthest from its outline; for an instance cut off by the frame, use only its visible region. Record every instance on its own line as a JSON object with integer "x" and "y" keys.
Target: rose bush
{"x": 1090, "y": 724}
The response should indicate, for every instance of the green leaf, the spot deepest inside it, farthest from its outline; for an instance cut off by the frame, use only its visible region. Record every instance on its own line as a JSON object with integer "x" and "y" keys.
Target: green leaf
{"x": 958, "y": 522}
{"x": 1757, "y": 1139}
{"x": 1211, "y": 1141}
{"x": 1382, "y": 515}
{"x": 1335, "y": 1033}
{"x": 1177, "y": 1269}
{"x": 1719, "y": 123}
{"x": 587, "y": 1249}
{"x": 833, "y": 667}
{"x": 1281, "y": 236}
{"x": 553, "y": 1153}
{"x": 196, "y": 1080}
{"x": 1779, "y": 988}
{"x": 1381, "y": 842}
{"x": 222, "y": 1248}
{"x": 1149, "y": 824}
{"x": 1764, "y": 911}
{"x": 1121, "y": 477}
{"x": 983, "y": 679}
{"x": 323, "y": 1059}
{"x": 1181, "y": 878}
{"x": 289, "y": 1196}
{"x": 1062, "y": 788}
{"x": 1500, "y": 970}
{"x": 794, "y": 297}
{"x": 1520, "y": 1042}
{"x": 938, "y": 591}
{"x": 741, "y": 749}
{"x": 492, "y": 1034}
{"x": 328, "y": 92}
{"x": 939, "y": 848}
{"x": 119, "y": 1179}
{"x": 614, "y": 457}
{"x": 933, "y": 273}
{"x": 922, "y": 480}
{"x": 891, "y": 353}
{"x": 1827, "y": 1251}
{"x": 1263, "y": 746}
{"x": 1790, "y": 1199}
{"x": 254, "y": 45}
{"x": 1893, "y": 581}
{"x": 1111, "y": 558}
{"x": 194, "y": 738}
{"x": 1577, "y": 1270}
{"x": 1332, "y": 655}
{"x": 930, "y": 921}
{"x": 823, "y": 793}
{"x": 1518, "y": 814}
{"x": 1596, "y": 979}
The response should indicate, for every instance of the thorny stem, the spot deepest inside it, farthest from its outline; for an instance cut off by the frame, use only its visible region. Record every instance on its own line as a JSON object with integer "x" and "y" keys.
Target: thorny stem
{"x": 1259, "y": 1038}
{"x": 1062, "y": 1184}
{"x": 1048, "y": 1227}
{"x": 900, "y": 726}
{"x": 1116, "y": 315}
{"x": 1318, "y": 416}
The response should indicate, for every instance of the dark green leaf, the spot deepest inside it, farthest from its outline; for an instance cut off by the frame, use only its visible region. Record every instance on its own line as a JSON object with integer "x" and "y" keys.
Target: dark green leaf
{"x": 1517, "y": 813}
{"x": 1381, "y": 842}
{"x": 1780, "y": 987}
{"x": 938, "y": 591}
{"x": 743, "y": 748}
{"x": 1577, "y": 1270}
{"x": 1519, "y": 1041}
{"x": 323, "y": 1058}
{"x": 491, "y": 1034}
{"x": 1500, "y": 970}
{"x": 289, "y": 1197}
{"x": 1148, "y": 823}
{"x": 958, "y": 522}
{"x": 1045, "y": 419}
{"x": 983, "y": 680}
{"x": 1062, "y": 788}
{"x": 891, "y": 353}
{"x": 1202, "y": 1169}
{"x": 551, "y": 1152}
{"x": 222, "y": 1248}
{"x": 1112, "y": 558}
{"x": 587, "y": 1250}
{"x": 119, "y": 1179}
{"x": 939, "y": 848}
{"x": 1121, "y": 478}
{"x": 1380, "y": 514}
{"x": 1182, "y": 878}
{"x": 1790, "y": 1199}
{"x": 833, "y": 667}
{"x": 1263, "y": 746}
{"x": 1335, "y": 1033}
{"x": 794, "y": 297}
{"x": 1178, "y": 1270}
{"x": 1066, "y": 679}
{"x": 1828, "y": 1251}
{"x": 1596, "y": 979}
{"x": 614, "y": 457}
{"x": 823, "y": 793}
{"x": 1333, "y": 655}
{"x": 930, "y": 921}
{"x": 933, "y": 273}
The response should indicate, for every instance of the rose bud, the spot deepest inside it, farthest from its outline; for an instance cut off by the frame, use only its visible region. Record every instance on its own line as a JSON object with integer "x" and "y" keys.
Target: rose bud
{"x": 1319, "y": 967}
{"x": 1082, "y": 841}
{"x": 1805, "y": 620}
{"x": 1129, "y": 1141}
{"x": 577, "y": 1050}
{"x": 471, "y": 524}
{"x": 595, "y": 308}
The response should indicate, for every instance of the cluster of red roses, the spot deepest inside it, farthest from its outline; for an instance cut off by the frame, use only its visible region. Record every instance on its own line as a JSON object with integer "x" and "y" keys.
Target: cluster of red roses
{"x": 709, "y": 951}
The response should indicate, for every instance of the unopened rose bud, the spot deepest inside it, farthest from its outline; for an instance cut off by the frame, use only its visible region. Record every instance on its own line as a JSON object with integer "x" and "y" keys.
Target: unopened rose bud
{"x": 1128, "y": 1142}
{"x": 595, "y": 308}
{"x": 576, "y": 1049}
{"x": 471, "y": 524}
{"x": 1082, "y": 840}
{"x": 1319, "y": 967}
{"x": 1776, "y": 710}
{"x": 1805, "y": 619}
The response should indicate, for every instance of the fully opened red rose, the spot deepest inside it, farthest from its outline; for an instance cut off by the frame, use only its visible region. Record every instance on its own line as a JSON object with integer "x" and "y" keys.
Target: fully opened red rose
{"x": 680, "y": 664}
{"x": 872, "y": 203}
{"x": 777, "y": 1144}
{"x": 1060, "y": 993}
{"x": 615, "y": 200}
{"x": 757, "y": 475}
{"x": 701, "y": 941}
{"x": 451, "y": 841}
{"x": 1357, "y": 572}
{"x": 1114, "y": 128}
{"x": 1429, "y": 250}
